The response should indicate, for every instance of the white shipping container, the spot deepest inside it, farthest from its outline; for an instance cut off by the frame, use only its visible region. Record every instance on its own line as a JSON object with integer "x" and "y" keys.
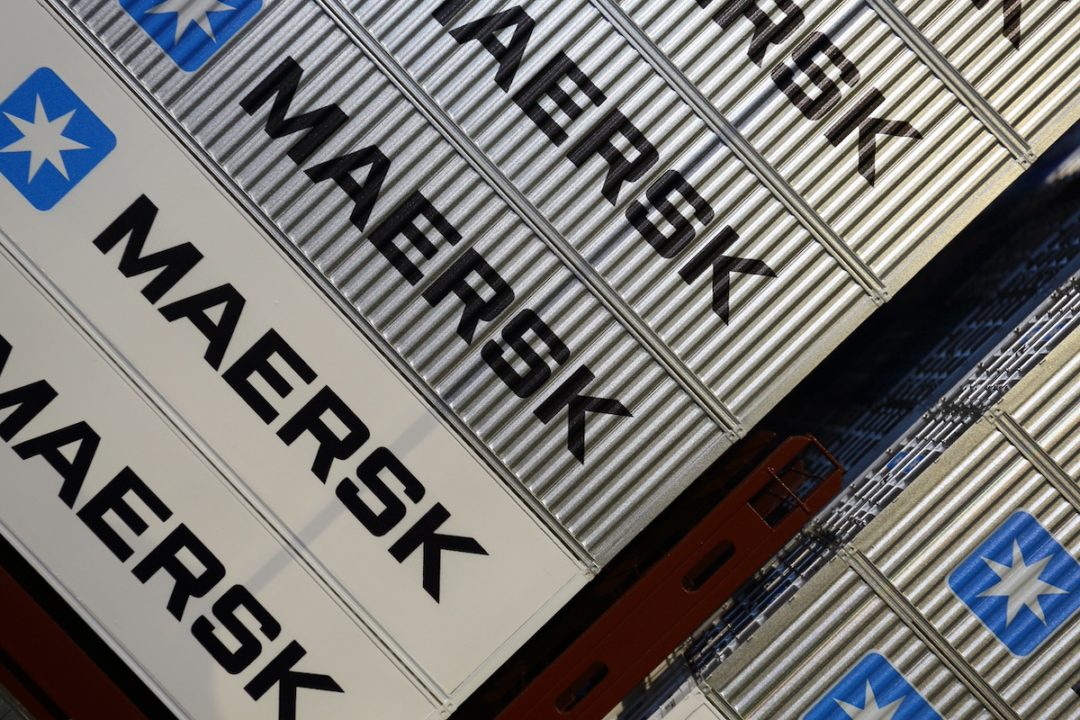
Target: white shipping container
{"x": 108, "y": 501}
{"x": 417, "y": 540}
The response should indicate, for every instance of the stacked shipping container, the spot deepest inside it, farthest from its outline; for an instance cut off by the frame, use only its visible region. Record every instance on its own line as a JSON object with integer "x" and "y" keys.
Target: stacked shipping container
{"x": 543, "y": 269}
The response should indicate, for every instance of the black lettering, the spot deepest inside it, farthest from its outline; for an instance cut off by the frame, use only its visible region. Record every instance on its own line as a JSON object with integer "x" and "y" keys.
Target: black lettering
{"x": 218, "y": 333}
{"x": 309, "y": 419}
{"x": 858, "y": 117}
{"x": 256, "y": 361}
{"x": 455, "y": 279}
{"x": 766, "y": 32}
{"x": 446, "y": 11}
{"x": 112, "y": 498}
{"x": 423, "y": 534}
{"x": 171, "y": 263}
{"x": 545, "y": 84}
{"x": 382, "y": 522}
{"x": 622, "y": 169}
{"x": 402, "y": 221}
{"x": 805, "y": 56}
{"x": 486, "y": 31}
{"x": 279, "y": 671}
{"x": 514, "y": 335}
{"x": 659, "y": 195}
{"x": 187, "y": 583}
{"x": 568, "y": 395}
{"x": 281, "y": 85}
{"x": 72, "y": 472}
{"x": 712, "y": 255}
{"x": 1011, "y": 11}
{"x": 225, "y": 609}
{"x": 28, "y": 400}
{"x": 364, "y": 195}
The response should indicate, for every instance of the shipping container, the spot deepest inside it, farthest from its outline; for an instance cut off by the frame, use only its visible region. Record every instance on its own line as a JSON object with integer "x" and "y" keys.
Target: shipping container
{"x": 159, "y": 553}
{"x": 449, "y": 301}
{"x": 700, "y": 321}
{"x": 961, "y": 598}
{"x": 414, "y": 537}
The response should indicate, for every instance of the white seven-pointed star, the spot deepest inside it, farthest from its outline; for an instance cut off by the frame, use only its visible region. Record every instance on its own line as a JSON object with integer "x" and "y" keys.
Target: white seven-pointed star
{"x": 190, "y": 12}
{"x": 43, "y": 139}
{"x": 1020, "y": 584}
{"x": 870, "y": 709}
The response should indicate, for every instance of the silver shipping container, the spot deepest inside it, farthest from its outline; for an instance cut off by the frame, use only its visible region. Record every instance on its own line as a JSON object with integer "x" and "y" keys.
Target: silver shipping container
{"x": 977, "y": 558}
{"x": 600, "y": 472}
{"x": 849, "y": 112}
{"x": 1022, "y": 58}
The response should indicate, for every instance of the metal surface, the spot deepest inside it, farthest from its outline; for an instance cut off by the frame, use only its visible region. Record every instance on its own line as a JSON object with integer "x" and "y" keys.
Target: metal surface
{"x": 1022, "y": 57}
{"x": 447, "y": 614}
{"x": 602, "y": 495}
{"x": 674, "y": 596}
{"x": 578, "y": 192}
{"x": 916, "y": 557}
{"x": 837, "y": 621}
{"x": 1046, "y": 405}
{"x": 103, "y": 537}
{"x": 941, "y": 519}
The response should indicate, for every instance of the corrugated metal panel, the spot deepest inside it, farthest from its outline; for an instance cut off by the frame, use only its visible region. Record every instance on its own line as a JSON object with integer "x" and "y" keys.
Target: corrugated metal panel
{"x": 747, "y": 359}
{"x": 813, "y": 643}
{"x": 633, "y": 467}
{"x": 923, "y": 190}
{"x": 896, "y": 223}
{"x": 922, "y": 541}
{"x": 1047, "y": 405}
{"x": 1024, "y": 58}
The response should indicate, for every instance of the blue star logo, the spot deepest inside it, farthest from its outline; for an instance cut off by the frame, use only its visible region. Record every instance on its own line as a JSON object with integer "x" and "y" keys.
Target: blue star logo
{"x": 49, "y": 139}
{"x": 1020, "y": 582}
{"x": 191, "y": 31}
{"x": 872, "y": 690}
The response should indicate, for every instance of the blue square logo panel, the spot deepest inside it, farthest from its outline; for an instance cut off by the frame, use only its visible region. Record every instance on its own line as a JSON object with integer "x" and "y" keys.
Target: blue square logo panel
{"x": 49, "y": 139}
{"x": 1021, "y": 584}
{"x": 873, "y": 690}
{"x": 191, "y": 31}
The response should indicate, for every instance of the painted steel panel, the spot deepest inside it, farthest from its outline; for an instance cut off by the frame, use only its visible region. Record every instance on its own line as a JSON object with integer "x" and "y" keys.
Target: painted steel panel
{"x": 93, "y": 551}
{"x": 730, "y": 339}
{"x": 629, "y": 467}
{"x": 1046, "y": 403}
{"x": 452, "y": 618}
{"x": 1024, "y": 58}
{"x": 806, "y": 97}
{"x": 692, "y": 707}
{"x": 894, "y": 199}
{"x": 930, "y": 542}
{"x": 810, "y": 645}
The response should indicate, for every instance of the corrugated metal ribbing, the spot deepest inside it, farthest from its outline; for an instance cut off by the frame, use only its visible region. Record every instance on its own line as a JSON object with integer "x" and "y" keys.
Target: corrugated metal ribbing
{"x": 811, "y": 645}
{"x": 895, "y": 215}
{"x": 1024, "y": 60}
{"x": 922, "y": 543}
{"x": 1047, "y": 406}
{"x": 895, "y": 222}
{"x": 746, "y": 357}
{"x": 633, "y": 466}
